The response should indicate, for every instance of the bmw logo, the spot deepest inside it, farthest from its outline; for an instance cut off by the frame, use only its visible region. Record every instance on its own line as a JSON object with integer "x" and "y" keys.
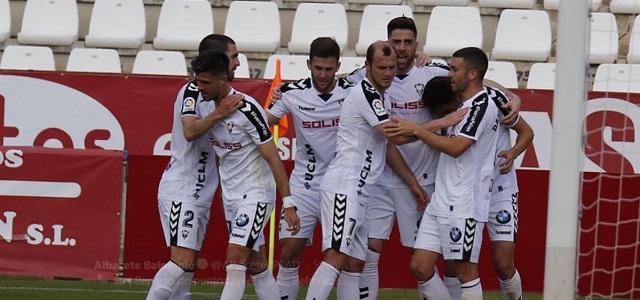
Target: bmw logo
{"x": 242, "y": 220}
{"x": 455, "y": 234}
{"x": 503, "y": 217}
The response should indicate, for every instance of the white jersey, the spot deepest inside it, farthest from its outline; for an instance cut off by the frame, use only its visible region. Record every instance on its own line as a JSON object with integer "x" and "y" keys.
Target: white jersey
{"x": 316, "y": 118}
{"x": 405, "y": 101}
{"x": 463, "y": 184}
{"x": 502, "y": 183}
{"x": 243, "y": 171}
{"x": 191, "y": 174}
{"x": 360, "y": 150}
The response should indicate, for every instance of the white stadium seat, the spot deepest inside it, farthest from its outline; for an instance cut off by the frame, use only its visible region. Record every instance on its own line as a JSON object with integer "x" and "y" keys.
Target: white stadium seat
{"x": 5, "y": 20}
{"x": 49, "y": 22}
{"x": 128, "y": 32}
{"x": 28, "y": 58}
{"x": 542, "y": 76}
{"x": 445, "y": 37}
{"x": 94, "y": 60}
{"x": 292, "y": 67}
{"x": 441, "y": 2}
{"x": 243, "y": 71}
{"x": 554, "y": 4}
{"x": 624, "y": 6}
{"x": 507, "y": 3}
{"x": 623, "y": 78}
{"x": 523, "y": 35}
{"x": 603, "y": 42}
{"x": 383, "y": 2}
{"x": 633, "y": 56}
{"x": 503, "y": 73}
{"x": 254, "y": 26}
{"x": 160, "y": 63}
{"x": 182, "y": 24}
{"x": 313, "y": 20}
{"x": 373, "y": 25}
{"x": 350, "y": 63}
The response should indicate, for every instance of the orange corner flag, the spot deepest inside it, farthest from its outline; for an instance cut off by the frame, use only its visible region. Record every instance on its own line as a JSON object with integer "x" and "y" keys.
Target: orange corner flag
{"x": 283, "y": 125}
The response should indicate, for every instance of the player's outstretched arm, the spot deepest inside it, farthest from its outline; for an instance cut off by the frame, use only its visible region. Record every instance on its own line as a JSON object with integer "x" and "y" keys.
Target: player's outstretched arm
{"x": 270, "y": 154}
{"x": 397, "y": 163}
{"x": 397, "y": 139}
{"x": 194, "y": 127}
{"x": 449, "y": 120}
{"x": 524, "y": 139}
{"x": 271, "y": 119}
{"x": 451, "y": 146}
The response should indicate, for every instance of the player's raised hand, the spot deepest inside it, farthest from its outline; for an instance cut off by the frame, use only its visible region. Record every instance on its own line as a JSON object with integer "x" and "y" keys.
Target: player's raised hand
{"x": 422, "y": 59}
{"x": 506, "y": 164}
{"x": 292, "y": 219}
{"x": 514, "y": 106}
{"x": 230, "y": 104}
{"x": 398, "y": 127}
{"x": 276, "y": 93}
{"x": 454, "y": 117}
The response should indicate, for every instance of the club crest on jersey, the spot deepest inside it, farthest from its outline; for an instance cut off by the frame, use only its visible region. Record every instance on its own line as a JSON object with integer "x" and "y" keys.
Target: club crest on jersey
{"x": 378, "y": 107}
{"x": 455, "y": 234}
{"x": 242, "y": 220}
{"x": 189, "y": 104}
{"x": 419, "y": 88}
{"x": 185, "y": 234}
{"x": 230, "y": 127}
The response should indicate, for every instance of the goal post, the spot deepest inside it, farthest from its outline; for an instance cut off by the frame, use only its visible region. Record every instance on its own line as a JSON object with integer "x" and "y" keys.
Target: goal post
{"x": 566, "y": 159}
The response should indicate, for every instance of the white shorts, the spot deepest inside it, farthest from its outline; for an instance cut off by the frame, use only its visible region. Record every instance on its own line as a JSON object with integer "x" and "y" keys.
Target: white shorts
{"x": 184, "y": 224}
{"x": 344, "y": 226}
{"x": 385, "y": 204}
{"x": 454, "y": 238}
{"x": 503, "y": 217}
{"x": 246, "y": 223}
{"x": 307, "y": 206}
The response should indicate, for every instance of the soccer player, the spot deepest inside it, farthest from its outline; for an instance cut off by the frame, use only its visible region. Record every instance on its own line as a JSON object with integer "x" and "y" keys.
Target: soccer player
{"x": 188, "y": 183}
{"x": 452, "y": 223}
{"x": 314, "y": 104}
{"x": 249, "y": 163}
{"x": 345, "y": 188}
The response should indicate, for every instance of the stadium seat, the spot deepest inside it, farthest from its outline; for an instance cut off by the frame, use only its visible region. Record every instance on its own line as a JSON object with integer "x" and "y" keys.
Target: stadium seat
{"x": 292, "y": 67}
{"x": 350, "y": 63}
{"x": 445, "y": 37}
{"x": 382, "y": 2}
{"x": 507, "y": 3}
{"x": 182, "y": 24}
{"x": 94, "y": 60}
{"x": 542, "y": 76}
{"x": 603, "y": 48}
{"x": 254, "y": 26}
{"x": 633, "y": 56}
{"x": 624, "y": 6}
{"x": 128, "y": 32}
{"x": 554, "y": 4}
{"x": 243, "y": 71}
{"x": 28, "y": 58}
{"x": 323, "y": 1}
{"x": 523, "y": 35}
{"x": 503, "y": 73}
{"x": 441, "y": 2}
{"x": 5, "y": 20}
{"x": 623, "y": 78}
{"x": 313, "y": 20}
{"x": 373, "y": 25}
{"x": 160, "y": 63}
{"x": 49, "y": 22}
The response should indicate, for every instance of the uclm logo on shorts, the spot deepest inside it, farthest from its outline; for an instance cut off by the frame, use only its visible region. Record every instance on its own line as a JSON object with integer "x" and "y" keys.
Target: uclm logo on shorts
{"x": 36, "y": 112}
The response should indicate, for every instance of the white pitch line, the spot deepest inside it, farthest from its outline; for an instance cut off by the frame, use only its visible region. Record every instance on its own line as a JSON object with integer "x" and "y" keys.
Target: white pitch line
{"x": 48, "y": 189}
{"x": 103, "y": 291}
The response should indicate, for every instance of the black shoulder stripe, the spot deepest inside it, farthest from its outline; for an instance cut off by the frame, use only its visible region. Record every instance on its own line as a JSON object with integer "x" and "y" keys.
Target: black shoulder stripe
{"x": 498, "y": 98}
{"x": 253, "y": 114}
{"x": 189, "y": 98}
{"x": 356, "y": 70}
{"x": 344, "y": 83}
{"x": 375, "y": 100}
{"x": 298, "y": 85}
{"x": 439, "y": 65}
{"x": 476, "y": 113}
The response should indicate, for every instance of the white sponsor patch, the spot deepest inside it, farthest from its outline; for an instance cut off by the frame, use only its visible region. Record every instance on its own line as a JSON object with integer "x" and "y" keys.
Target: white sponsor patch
{"x": 378, "y": 107}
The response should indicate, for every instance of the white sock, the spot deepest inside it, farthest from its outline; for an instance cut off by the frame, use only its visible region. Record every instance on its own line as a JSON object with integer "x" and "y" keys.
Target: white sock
{"x": 183, "y": 287}
{"x": 512, "y": 288}
{"x": 433, "y": 288}
{"x": 453, "y": 286}
{"x": 472, "y": 290}
{"x": 348, "y": 286}
{"x": 265, "y": 286}
{"x": 164, "y": 283}
{"x": 369, "y": 280}
{"x": 288, "y": 283}
{"x": 322, "y": 282}
{"x": 235, "y": 283}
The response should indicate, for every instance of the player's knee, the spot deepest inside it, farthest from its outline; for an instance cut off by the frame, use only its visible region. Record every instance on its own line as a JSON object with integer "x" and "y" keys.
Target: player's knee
{"x": 290, "y": 255}
{"x": 504, "y": 266}
{"x": 420, "y": 269}
{"x": 375, "y": 245}
{"x": 237, "y": 254}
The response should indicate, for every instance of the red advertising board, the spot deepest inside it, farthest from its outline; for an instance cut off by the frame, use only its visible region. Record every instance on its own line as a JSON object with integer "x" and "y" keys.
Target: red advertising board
{"x": 59, "y": 212}
{"x": 88, "y": 111}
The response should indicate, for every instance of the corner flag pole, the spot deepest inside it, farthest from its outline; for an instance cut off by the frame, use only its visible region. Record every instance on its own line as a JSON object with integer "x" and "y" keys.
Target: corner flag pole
{"x": 276, "y": 134}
